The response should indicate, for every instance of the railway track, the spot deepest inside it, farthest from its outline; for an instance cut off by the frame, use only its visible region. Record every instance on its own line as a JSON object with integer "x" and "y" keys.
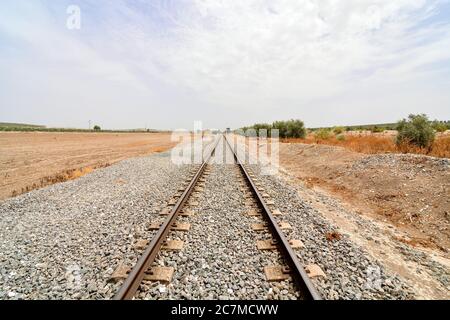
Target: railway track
{"x": 145, "y": 268}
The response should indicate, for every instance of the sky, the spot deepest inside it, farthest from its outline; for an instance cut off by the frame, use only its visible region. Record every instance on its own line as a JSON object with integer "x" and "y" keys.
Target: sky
{"x": 164, "y": 64}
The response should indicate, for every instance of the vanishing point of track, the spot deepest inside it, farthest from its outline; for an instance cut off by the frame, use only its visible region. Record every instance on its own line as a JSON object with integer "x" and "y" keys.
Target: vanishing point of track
{"x": 143, "y": 266}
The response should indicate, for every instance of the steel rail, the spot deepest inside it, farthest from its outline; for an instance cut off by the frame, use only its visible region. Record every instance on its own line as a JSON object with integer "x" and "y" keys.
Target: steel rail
{"x": 307, "y": 288}
{"x": 137, "y": 274}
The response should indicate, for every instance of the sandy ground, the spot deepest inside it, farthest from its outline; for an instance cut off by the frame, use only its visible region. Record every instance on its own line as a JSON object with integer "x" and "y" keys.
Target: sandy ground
{"x": 410, "y": 191}
{"x": 395, "y": 206}
{"x": 29, "y": 160}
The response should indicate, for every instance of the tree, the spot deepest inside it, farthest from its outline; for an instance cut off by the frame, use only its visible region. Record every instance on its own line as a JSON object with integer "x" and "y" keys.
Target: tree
{"x": 416, "y": 130}
{"x": 97, "y": 128}
{"x": 290, "y": 129}
{"x": 281, "y": 127}
{"x": 296, "y": 129}
{"x": 262, "y": 126}
{"x": 439, "y": 126}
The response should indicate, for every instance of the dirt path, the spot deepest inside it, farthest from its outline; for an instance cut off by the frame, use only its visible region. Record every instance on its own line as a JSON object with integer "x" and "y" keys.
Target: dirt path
{"x": 29, "y": 160}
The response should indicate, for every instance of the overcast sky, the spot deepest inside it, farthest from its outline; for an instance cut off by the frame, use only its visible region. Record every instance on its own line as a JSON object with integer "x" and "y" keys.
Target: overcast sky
{"x": 165, "y": 64}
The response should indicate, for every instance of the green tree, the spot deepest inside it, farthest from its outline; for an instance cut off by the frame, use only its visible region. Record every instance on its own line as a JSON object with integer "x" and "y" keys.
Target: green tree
{"x": 97, "y": 128}
{"x": 296, "y": 129}
{"x": 290, "y": 129}
{"x": 262, "y": 126}
{"x": 439, "y": 126}
{"x": 281, "y": 127}
{"x": 416, "y": 130}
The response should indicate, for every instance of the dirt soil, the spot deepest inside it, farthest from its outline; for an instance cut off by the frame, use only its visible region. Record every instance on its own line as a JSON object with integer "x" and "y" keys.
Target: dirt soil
{"x": 410, "y": 191}
{"x": 30, "y": 160}
{"x": 397, "y": 207}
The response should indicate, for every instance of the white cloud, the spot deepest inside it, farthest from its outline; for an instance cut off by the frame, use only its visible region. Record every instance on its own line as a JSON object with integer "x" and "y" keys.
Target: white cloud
{"x": 324, "y": 61}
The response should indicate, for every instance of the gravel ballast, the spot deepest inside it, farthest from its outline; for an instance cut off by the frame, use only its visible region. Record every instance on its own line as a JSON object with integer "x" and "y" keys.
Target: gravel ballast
{"x": 64, "y": 241}
{"x": 350, "y": 272}
{"x": 219, "y": 259}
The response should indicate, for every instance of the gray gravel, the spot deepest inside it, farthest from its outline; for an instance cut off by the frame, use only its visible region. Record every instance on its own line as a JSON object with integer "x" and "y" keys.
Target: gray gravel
{"x": 220, "y": 259}
{"x": 64, "y": 241}
{"x": 350, "y": 272}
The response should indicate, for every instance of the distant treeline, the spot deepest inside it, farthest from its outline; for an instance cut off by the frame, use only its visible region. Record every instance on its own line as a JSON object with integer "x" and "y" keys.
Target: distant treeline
{"x": 370, "y": 127}
{"x": 296, "y": 128}
{"x": 19, "y": 125}
{"x": 286, "y": 129}
{"x": 437, "y": 125}
{"x": 415, "y": 130}
{"x": 38, "y": 128}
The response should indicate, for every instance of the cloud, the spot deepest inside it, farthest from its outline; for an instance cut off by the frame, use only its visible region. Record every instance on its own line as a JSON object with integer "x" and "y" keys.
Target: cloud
{"x": 323, "y": 61}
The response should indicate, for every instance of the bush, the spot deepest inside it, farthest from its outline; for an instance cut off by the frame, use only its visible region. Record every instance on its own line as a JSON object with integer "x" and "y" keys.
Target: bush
{"x": 262, "y": 126}
{"x": 322, "y": 134}
{"x": 97, "y": 128}
{"x": 439, "y": 126}
{"x": 295, "y": 129}
{"x": 377, "y": 129}
{"x": 286, "y": 129}
{"x": 340, "y": 137}
{"x": 338, "y": 130}
{"x": 290, "y": 128}
{"x": 416, "y": 130}
{"x": 281, "y": 127}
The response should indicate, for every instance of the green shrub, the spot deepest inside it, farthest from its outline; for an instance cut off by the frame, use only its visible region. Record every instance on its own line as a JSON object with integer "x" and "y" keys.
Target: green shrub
{"x": 322, "y": 134}
{"x": 250, "y": 132}
{"x": 281, "y": 127}
{"x": 296, "y": 129}
{"x": 416, "y": 130}
{"x": 286, "y": 129}
{"x": 376, "y": 129}
{"x": 340, "y": 137}
{"x": 262, "y": 126}
{"x": 338, "y": 130}
{"x": 290, "y": 128}
{"x": 439, "y": 126}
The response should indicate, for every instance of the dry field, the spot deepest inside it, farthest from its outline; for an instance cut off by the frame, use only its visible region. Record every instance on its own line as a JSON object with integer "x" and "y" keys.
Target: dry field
{"x": 380, "y": 143}
{"x": 30, "y": 160}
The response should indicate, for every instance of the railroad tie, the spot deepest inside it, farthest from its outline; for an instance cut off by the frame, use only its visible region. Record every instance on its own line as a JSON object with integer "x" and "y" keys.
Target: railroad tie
{"x": 120, "y": 273}
{"x": 172, "y": 245}
{"x": 285, "y": 226}
{"x": 276, "y": 212}
{"x": 259, "y": 227}
{"x": 272, "y": 244}
{"x": 313, "y": 271}
{"x": 165, "y": 212}
{"x": 161, "y": 274}
{"x": 277, "y": 273}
